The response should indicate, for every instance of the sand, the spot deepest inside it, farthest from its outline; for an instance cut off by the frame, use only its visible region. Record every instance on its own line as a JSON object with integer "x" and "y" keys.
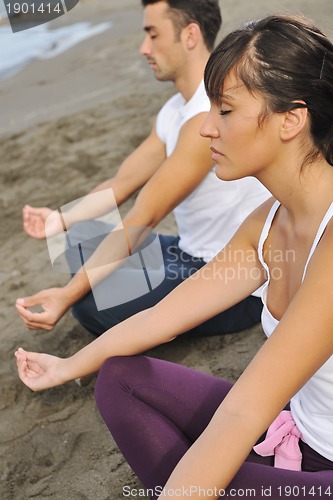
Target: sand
{"x": 65, "y": 125}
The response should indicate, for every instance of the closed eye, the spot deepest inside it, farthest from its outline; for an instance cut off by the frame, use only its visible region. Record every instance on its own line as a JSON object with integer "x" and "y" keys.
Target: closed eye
{"x": 223, "y": 113}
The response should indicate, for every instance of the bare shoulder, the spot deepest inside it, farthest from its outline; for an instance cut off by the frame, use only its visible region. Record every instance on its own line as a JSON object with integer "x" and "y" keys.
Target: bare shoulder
{"x": 261, "y": 212}
{"x": 254, "y": 223}
{"x": 192, "y": 126}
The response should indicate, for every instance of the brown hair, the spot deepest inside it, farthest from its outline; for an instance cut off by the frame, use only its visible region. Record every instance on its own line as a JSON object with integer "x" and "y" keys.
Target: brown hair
{"x": 286, "y": 59}
{"x": 205, "y": 13}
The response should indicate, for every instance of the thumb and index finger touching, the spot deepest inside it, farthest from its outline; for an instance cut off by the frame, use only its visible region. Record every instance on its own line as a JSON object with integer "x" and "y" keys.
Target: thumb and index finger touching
{"x": 31, "y": 301}
{"x": 23, "y": 305}
{"x": 29, "y": 368}
{"x": 42, "y": 319}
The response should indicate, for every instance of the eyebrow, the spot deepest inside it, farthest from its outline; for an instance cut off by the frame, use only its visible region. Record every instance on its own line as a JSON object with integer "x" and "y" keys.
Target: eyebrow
{"x": 147, "y": 29}
{"x": 227, "y": 96}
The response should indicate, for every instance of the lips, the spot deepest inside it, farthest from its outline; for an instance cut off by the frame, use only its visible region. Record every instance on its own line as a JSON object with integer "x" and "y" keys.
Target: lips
{"x": 216, "y": 154}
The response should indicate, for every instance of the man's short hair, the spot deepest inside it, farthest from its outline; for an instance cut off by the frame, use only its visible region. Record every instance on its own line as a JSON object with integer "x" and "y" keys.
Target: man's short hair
{"x": 205, "y": 13}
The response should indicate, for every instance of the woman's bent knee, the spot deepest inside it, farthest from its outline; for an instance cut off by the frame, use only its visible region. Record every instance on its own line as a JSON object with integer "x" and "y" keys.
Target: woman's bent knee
{"x": 115, "y": 376}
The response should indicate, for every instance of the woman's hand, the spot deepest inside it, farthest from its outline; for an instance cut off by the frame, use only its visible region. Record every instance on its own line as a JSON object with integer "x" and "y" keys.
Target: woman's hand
{"x": 39, "y": 371}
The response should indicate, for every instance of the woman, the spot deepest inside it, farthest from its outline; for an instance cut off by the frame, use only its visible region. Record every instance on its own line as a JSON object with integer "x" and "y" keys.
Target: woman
{"x": 271, "y": 90}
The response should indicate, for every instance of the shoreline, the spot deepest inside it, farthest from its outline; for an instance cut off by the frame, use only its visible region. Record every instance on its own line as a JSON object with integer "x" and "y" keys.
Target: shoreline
{"x": 86, "y": 75}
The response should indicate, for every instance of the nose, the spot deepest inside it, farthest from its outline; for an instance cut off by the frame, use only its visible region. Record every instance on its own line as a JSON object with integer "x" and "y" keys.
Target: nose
{"x": 208, "y": 127}
{"x": 145, "y": 46}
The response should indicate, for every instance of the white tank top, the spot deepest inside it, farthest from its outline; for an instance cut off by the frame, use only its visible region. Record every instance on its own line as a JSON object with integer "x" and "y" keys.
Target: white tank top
{"x": 312, "y": 406}
{"x": 208, "y": 218}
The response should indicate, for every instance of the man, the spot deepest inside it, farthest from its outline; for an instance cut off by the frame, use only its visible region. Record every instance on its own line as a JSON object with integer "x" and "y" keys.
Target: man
{"x": 174, "y": 170}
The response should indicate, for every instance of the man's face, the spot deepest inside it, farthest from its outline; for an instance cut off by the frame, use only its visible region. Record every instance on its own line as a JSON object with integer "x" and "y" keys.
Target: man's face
{"x": 161, "y": 46}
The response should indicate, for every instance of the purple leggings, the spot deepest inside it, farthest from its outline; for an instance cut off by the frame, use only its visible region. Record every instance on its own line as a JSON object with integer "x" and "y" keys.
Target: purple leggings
{"x": 156, "y": 409}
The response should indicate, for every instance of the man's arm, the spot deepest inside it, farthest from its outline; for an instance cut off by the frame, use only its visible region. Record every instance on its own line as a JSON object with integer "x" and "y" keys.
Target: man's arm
{"x": 179, "y": 175}
{"x": 176, "y": 178}
{"x": 132, "y": 174}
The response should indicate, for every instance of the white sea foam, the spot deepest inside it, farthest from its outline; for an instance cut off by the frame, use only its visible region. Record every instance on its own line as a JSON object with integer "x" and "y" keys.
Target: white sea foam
{"x": 18, "y": 49}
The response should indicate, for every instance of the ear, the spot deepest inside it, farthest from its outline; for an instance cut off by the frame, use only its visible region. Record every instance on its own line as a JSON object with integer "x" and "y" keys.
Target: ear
{"x": 191, "y": 35}
{"x": 294, "y": 121}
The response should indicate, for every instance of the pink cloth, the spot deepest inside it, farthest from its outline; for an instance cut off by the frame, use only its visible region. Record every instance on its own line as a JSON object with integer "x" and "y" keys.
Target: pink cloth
{"x": 282, "y": 441}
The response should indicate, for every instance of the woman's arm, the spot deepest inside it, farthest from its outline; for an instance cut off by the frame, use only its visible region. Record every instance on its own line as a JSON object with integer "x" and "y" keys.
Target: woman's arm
{"x": 233, "y": 275}
{"x": 299, "y": 346}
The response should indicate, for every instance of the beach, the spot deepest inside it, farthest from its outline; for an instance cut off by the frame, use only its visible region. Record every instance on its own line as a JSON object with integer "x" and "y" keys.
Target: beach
{"x": 66, "y": 123}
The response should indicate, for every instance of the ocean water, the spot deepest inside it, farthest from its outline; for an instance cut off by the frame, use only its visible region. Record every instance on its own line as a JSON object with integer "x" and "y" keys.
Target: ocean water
{"x": 40, "y": 42}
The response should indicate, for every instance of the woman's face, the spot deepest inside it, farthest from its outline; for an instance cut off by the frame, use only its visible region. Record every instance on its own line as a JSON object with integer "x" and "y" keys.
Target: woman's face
{"x": 240, "y": 146}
